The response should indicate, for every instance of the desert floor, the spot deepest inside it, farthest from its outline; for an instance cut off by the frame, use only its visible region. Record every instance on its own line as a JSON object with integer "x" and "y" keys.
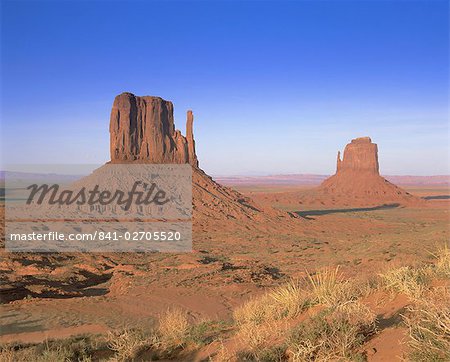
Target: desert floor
{"x": 61, "y": 295}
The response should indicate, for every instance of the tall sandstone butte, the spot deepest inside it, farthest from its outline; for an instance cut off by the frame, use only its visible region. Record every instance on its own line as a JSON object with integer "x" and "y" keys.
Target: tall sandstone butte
{"x": 142, "y": 128}
{"x": 361, "y": 156}
{"x": 357, "y": 179}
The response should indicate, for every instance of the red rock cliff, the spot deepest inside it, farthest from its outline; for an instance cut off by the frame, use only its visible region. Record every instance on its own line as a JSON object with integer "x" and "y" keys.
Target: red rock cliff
{"x": 361, "y": 156}
{"x": 142, "y": 128}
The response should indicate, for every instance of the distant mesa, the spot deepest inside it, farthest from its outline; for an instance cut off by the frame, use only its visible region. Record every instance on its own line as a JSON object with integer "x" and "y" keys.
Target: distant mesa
{"x": 358, "y": 177}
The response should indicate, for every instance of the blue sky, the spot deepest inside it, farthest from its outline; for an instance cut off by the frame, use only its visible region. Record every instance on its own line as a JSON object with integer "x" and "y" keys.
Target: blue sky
{"x": 276, "y": 87}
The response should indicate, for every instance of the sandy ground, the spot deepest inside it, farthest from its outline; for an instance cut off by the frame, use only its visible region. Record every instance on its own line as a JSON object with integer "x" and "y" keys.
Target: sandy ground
{"x": 55, "y": 296}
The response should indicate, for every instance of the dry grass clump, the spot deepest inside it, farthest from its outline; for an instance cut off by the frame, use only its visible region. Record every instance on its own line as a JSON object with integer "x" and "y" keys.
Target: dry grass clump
{"x": 8, "y": 353}
{"x": 443, "y": 261}
{"x": 415, "y": 281}
{"x": 290, "y": 299}
{"x": 262, "y": 321}
{"x": 126, "y": 343}
{"x": 275, "y": 353}
{"x": 358, "y": 314}
{"x": 286, "y": 301}
{"x": 172, "y": 333}
{"x": 333, "y": 335}
{"x": 258, "y": 327}
{"x": 71, "y": 349}
{"x": 256, "y": 311}
{"x": 329, "y": 288}
{"x": 223, "y": 355}
{"x": 57, "y": 354}
{"x": 170, "y": 339}
{"x": 257, "y": 338}
{"x": 410, "y": 281}
{"x": 206, "y": 331}
{"x": 428, "y": 321}
{"x": 326, "y": 287}
{"x": 173, "y": 329}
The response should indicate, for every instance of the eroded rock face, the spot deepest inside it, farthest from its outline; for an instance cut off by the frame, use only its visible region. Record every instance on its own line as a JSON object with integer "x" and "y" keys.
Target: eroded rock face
{"x": 142, "y": 128}
{"x": 361, "y": 155}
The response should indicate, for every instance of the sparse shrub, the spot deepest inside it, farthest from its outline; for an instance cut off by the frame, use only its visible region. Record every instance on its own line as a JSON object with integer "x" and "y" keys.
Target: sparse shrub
{"x": 256, "y": 311}
{"x": 126, "y": 343}
{"x": 223, "y": 355}
{"x": 71, "y": 349}
{"x": 58, "y": 353}
{"x": 79, "y": 347}
{"x": 358, "y": 315}
{"x": 428, "y": 321}
{"x": 205, "y": 332}
{"x": 443, "y": 261}
{"x": 173, "y": 329}
{"x": 261, "y": 342}
{"x": 266, "y": 354}
{"x": 332, "y": 335}
{"x": 255, "y": 338}
{"x": 7, "y": 353}
{"x": 407, "y": 280}
{"x": 273, "y": 354}
{"x": 365, "y": 287}
{"x": 198, "y": 332}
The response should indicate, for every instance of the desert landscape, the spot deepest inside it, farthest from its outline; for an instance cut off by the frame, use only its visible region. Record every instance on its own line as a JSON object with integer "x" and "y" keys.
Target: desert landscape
{"x": 224, "y": 181}
{"x": 354, "y": 268}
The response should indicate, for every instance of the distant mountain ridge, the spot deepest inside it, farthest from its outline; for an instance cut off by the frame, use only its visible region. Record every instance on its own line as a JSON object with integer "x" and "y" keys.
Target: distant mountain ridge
{"x": 316, "y": 179}
{"x": 287, "y": 179}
